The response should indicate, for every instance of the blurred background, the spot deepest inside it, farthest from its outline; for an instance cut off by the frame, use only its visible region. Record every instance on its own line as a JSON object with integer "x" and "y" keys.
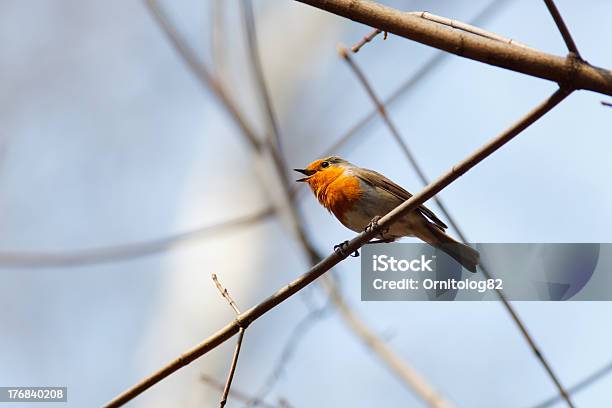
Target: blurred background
{"x": 108, "y": 139}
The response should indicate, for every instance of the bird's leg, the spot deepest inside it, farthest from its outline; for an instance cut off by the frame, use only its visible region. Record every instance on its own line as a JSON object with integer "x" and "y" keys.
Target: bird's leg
{"x": 374, "y": 224}
{"x": 340, "y": 249}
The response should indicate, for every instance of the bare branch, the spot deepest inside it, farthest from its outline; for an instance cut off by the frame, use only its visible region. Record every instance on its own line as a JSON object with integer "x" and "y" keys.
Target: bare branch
{"x": 581, "y": 385}
{"x": 217, "y": 34}
{"x": 567, "y": 37}
{"x": 572, "y": 73}
{"x": 232, "y": 370}
{"x": 230, "y": 374}
{"x": 234, "y": 393}
{"x": 245, "y": 318}
{"x": 355, "y": 48}
{"x": 124, "y": 252}
{"x": 225, "y": 294}
{"x": 421, "y": 174}
{"x": 251, "y": 35}
{"x": 532, "y": 344}
{"x": 202, "y": 73}
{"x": 604, "y": 103}
{"x": 468, "y": 28}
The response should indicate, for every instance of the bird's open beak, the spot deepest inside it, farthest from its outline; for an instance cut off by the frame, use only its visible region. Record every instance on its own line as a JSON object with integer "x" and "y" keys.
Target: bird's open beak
{"x": 305, "y": 172}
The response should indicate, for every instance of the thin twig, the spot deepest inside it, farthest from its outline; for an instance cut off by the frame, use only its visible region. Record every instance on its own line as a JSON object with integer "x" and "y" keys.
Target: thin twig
{"x": 284, "y": 293}
{"x": 581, "y": 385}
{"x": 421, "y": 174}
{"x": 567, "y": 37}
{"x": 253, "y": 49}
{"x": 232, "y": 370}
{"x": 202, "y": 73}
{"x": 225, "y": 294}
{"x": 355, "y": 48}
{"x": 230, "y": 374}
{"x": 570, "y": 72}
{"x": 241, "y": 396}
{"x": 604, "y": 103}
{"x": 217, "y": 34}
{"x": 124, "y": 252}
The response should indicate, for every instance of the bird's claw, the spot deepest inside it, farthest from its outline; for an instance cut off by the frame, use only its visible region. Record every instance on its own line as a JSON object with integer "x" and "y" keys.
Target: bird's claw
{"x": 374, "y": 224}
{"x": 340, "y": 249}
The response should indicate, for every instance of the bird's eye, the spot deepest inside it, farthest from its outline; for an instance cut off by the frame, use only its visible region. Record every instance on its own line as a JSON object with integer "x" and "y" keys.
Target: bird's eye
{"x": 324, "y": 164}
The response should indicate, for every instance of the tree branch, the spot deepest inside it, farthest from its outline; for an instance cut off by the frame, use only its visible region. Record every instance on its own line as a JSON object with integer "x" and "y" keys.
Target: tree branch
{"x": 355, "y": 48}
{"x": 571, "y": 73}
{"x": 124, "y": 252}
{"x": 579, "y": 386}
{"x": 260, "y": 81}
{"x": 567, "y": 37}
{"x": 236, "y": 394}
{"x": 201, "y": 72}
{"x": 284, "y": 293}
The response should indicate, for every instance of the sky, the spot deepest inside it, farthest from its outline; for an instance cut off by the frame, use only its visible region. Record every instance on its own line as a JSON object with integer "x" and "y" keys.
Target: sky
{"x": 109, "y": 139}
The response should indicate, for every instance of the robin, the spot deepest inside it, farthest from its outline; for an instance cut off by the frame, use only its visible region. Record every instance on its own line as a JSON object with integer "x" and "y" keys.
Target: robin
{"x": 358, "y": 197}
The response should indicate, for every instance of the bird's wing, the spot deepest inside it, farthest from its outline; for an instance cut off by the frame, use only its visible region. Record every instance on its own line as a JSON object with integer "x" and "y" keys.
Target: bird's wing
{"x": 376, "y": 179}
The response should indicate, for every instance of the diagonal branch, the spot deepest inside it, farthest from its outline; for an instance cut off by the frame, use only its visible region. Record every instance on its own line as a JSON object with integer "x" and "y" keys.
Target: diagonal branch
{"x": 201, "y": 72}
{"x": 253, "y": 49}
{"x": 567, "y": 37}
{"x": 421, "y": 174}
{"x": 234, "y": 393}
{"x": 579, "y": 386}
{"x": 124, "y": 252}
{"x": 355, "y": 48}
{"x": 284, "y": 293}
{"x": 572, "y": 73}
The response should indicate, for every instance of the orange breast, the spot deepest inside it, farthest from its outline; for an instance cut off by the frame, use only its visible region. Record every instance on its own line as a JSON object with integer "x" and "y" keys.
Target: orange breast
{"x": 336, "y": 191}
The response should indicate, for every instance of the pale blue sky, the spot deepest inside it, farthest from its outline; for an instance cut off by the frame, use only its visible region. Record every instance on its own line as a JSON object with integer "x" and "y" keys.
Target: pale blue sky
{"x": 107, "y": 138}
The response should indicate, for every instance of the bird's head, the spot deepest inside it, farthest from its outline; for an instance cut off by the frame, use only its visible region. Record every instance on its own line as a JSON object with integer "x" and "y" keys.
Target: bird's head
{"x": 321, "y": 172}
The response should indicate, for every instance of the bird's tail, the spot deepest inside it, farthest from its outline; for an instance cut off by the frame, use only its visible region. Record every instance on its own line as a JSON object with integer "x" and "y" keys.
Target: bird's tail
{"x": 464, "y": 254}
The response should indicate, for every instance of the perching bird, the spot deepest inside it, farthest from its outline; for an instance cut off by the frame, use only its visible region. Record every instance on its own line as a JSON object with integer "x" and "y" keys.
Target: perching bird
{"x": 359, "y": 197}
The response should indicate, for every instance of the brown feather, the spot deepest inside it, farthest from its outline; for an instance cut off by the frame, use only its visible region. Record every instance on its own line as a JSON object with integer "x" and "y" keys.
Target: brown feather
{"x": 376, "y": 179}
